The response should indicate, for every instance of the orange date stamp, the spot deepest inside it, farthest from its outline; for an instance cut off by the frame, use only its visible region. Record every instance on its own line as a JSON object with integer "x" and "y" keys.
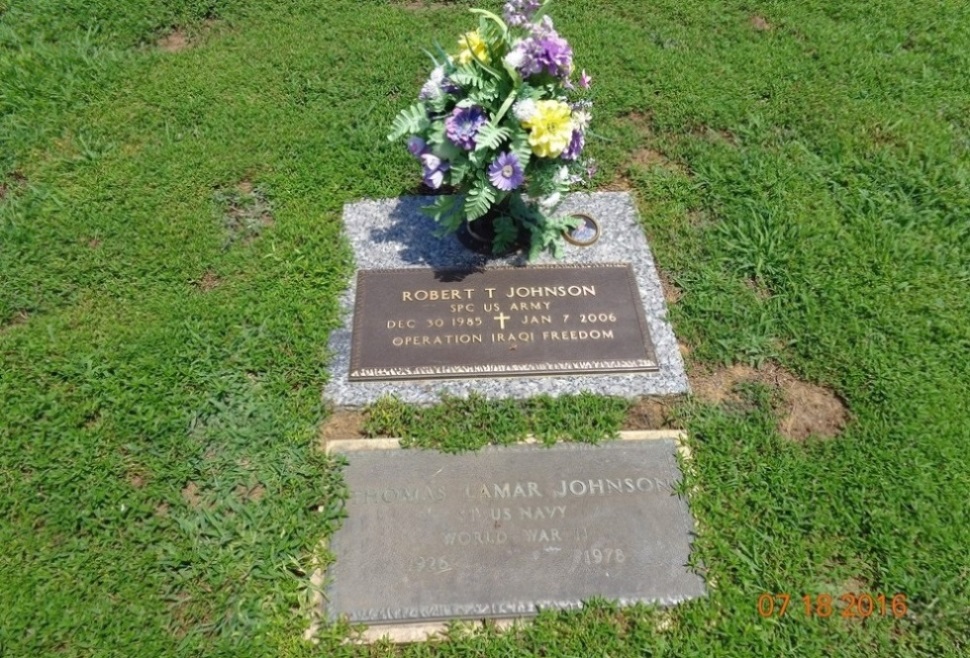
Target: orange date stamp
{"x": 848, "y": 606}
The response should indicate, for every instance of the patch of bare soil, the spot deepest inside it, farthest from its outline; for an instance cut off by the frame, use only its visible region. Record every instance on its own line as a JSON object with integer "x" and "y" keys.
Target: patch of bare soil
{"x": 640, "y": 122}
{"x": 620, "y": 183}
{"x": 760, "y": 290}
{"x": 342, "y": 425}
{"x": 672, "y": 293}
{"x": 812, "y": 410}
{"x": 191, "y": 495}
{"x": 174, "y": 42}
{"x": 806, "y": 409}
{"x": 760, "y": 23}
{"x": 180, "y": 39}
{"x": 209, "y": 281}
{"x": 15, "y": 180}
{"x": 648, "y": 414}
{"x": 717, "y": 386}
{"x": 650, "y": 158}
{"x": 137, "y": 478}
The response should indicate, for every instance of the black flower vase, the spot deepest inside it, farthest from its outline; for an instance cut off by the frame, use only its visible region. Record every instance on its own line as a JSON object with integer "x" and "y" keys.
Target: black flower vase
{"x": 478, "y": 235}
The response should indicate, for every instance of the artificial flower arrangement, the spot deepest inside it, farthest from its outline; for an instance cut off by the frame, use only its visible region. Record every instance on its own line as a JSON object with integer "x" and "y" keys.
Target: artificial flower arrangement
{"x": 496, "y": 122}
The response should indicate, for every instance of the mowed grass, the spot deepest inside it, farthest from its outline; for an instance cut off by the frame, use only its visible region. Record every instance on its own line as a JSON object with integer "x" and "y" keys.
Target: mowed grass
{"x": 171, "y": 259}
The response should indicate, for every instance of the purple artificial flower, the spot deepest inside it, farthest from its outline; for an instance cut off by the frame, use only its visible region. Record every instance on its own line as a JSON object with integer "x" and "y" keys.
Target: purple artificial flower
{"x": 557, "y": 56}
{"x": 463, "y": 125}
{"x": 520, "y": 12}
{"x": 505, "y": 172}
{"x": 576, "y": 145}
{"x": 417, "y": 146}
{"x": 544, "y": 51}
{"x": 585, "y": 80}
{"x": 434, "y": 170}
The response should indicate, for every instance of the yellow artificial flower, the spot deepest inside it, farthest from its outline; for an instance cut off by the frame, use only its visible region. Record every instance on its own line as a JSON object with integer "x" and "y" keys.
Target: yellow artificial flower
{"x": 550, "y": 128}
{"x": 472, "y": 48}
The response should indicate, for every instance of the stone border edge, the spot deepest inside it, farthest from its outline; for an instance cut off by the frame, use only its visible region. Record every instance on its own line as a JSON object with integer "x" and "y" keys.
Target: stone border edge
{"x": 356, "y": 445}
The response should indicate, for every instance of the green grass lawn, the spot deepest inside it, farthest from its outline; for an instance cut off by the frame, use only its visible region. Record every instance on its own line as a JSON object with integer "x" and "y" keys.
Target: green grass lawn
{"x": 171, "y": 260}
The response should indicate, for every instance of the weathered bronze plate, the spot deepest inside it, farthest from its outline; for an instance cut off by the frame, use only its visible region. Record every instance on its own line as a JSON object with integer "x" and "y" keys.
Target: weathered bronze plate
{"x": 537, "y": 320}
{"x": 507, "y": 531}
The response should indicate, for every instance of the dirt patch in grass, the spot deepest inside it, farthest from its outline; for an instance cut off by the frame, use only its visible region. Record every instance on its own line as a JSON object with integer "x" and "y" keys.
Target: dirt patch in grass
{"x": 649, "y": 158}
{"x": 174, "y": 42}
{"x": 640, "y": 122}
{"x": 758, "y": 288}
{"x": 760, "y": 23}
{"x": 620, "y": 183}
{"x": 342, "y": 425}
{"x": 649, "y": 154}
{"x": 804, "y": 409}
{"x": 811, "y": 410}
{"x": 672, "y": 293}
{"x": 648, "y": 414}
{"x": 15, "y": 181}
{"x": 181, "y": 38}
{"x": 191, "y": 495}
{"x": 717, "y": 386}
{"x": 685, "y": 349}
{"x": 209, "y": 281}
{"x": 137, "y": 478}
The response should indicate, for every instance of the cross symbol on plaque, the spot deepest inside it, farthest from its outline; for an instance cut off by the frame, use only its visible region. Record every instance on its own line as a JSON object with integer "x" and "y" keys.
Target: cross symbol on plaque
{"x": 502, "y": 317}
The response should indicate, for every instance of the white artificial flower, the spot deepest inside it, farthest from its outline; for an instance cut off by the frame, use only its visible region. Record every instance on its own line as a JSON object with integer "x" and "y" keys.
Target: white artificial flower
{"x": 524, "y": 110}
{"x": 581, "y": 119}
{"x": 430, "y": 91}
{"x": 515, "y": 59}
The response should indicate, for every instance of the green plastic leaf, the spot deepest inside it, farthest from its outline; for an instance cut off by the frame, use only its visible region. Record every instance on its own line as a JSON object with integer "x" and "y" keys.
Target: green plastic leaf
{"x": 410, "y": 121}
{"x": 491, "y": 136}
{"x": 480, "y": 198}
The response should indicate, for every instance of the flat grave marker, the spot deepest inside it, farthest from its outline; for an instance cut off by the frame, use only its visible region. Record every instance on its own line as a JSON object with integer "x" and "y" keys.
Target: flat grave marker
{"x": 546, "y": 319}
{"x": 506, "y": 531}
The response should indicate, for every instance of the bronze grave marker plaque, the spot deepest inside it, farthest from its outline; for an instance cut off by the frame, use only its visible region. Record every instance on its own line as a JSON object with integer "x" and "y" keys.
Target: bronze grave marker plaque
{"x": 508, "y": 530}
{"x": 537, "y": 320}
